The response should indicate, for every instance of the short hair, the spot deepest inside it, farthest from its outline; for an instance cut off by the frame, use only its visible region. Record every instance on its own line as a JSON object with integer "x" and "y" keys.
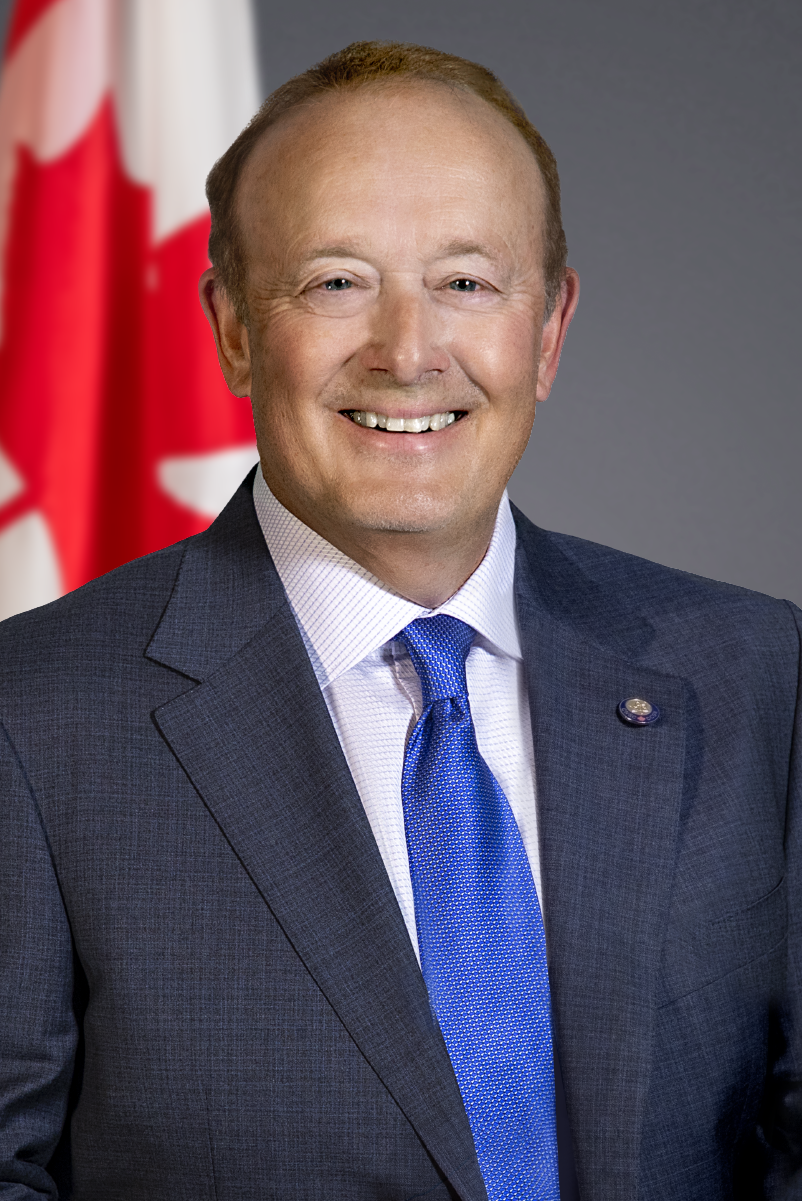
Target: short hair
{"x": 359, "y": 64}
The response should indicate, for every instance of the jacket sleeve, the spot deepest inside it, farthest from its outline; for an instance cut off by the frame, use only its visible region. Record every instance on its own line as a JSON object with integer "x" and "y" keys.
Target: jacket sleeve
{"x": 38, "y": 1031}
{"x": 782, "y": 1122}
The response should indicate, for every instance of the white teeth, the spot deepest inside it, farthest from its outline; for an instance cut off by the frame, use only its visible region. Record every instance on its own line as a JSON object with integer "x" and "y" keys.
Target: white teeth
{"x": 407, "y": 425}
{"x": 415, "y": 425}
{"x": 368, "y": 419}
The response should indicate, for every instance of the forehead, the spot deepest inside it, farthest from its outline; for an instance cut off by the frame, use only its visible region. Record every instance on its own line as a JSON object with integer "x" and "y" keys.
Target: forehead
{"x": 416, "y": 150}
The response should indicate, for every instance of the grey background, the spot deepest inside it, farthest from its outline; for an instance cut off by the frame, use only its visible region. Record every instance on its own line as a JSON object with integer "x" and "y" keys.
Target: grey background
{"x": 675, "y": 427}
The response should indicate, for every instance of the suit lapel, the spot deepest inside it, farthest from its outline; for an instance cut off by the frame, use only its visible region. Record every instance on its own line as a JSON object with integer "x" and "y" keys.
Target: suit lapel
{"x": 609, "y": 801}
{"x": 255, "y": 738}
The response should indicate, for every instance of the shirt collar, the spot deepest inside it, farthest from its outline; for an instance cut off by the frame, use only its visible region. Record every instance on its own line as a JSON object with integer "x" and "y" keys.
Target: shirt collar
{"x": 344, "y": 612}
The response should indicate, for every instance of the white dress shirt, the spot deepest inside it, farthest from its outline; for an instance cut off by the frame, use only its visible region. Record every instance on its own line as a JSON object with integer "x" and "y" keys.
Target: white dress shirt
{"x": 348, "y": 619}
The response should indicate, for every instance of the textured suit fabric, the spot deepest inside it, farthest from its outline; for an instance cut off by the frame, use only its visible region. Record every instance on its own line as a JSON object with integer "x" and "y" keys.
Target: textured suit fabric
{"x": 207, "y": 988}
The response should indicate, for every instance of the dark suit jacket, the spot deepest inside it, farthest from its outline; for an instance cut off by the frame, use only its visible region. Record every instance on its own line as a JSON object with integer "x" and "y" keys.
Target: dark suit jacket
{"x": 208, "y": 991}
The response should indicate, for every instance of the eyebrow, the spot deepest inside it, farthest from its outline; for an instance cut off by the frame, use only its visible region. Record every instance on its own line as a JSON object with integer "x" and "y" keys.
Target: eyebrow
{"x": 341, "y": 251}
{"x": 344, "y": 250}
{"x": 457, "y": 248}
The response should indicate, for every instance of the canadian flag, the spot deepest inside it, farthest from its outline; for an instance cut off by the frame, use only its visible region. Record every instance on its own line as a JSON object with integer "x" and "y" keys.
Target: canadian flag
{"x": 117, "y": 433}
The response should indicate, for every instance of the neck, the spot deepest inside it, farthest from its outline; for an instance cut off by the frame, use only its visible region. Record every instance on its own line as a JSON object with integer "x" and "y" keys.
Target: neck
{"x": 425, "y": 567}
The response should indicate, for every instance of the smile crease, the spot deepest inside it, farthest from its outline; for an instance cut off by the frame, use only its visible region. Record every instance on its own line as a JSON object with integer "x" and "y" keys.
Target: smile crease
{"x": 402, "y": 425}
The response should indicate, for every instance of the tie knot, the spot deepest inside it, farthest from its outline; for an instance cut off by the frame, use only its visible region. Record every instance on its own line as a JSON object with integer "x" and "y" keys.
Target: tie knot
{"x": 438, "y": 647}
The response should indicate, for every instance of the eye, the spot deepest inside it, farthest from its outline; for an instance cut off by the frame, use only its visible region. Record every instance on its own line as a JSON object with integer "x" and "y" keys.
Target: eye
{"x": 337, "y": 285}
{"x": 463, "y": 285}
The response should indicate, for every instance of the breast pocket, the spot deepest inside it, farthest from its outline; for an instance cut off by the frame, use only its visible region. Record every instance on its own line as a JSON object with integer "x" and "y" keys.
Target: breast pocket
{"x": 697, "y": 953}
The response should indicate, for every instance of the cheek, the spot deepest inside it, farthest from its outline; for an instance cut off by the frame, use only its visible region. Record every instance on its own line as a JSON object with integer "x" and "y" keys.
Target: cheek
{"x": 299, "y": 353}
{"x": 501, "y": 357}
{"x": 296, "y": 357}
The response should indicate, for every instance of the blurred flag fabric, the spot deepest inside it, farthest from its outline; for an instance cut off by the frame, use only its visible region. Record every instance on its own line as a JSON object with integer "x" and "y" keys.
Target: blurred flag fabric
{"x": 117, "y": 433}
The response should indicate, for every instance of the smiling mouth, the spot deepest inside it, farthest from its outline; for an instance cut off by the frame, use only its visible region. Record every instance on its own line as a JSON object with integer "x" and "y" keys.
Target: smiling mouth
{"x": 402, "y": 425}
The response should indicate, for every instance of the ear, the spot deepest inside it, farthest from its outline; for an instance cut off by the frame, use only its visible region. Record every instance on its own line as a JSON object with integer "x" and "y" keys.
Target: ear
{"x": 230, "y": 334}
{"x": 554, "y": 331}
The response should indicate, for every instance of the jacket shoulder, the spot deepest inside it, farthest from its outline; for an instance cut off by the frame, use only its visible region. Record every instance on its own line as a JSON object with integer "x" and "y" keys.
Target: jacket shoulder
{"x": 642, "y": 581}
{"x": 119, "y": 609}
{"x": 623, "y": 599}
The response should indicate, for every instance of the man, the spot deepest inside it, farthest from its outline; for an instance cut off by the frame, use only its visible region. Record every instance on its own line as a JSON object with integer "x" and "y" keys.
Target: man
{"x": 335, "y": 835}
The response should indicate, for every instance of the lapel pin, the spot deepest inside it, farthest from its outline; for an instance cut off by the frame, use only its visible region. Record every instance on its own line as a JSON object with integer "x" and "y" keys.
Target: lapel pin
{"x": 638, "y": 712}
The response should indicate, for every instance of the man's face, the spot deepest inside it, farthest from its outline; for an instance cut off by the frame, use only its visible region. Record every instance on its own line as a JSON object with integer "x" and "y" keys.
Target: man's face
{"x": 394, "y": 245}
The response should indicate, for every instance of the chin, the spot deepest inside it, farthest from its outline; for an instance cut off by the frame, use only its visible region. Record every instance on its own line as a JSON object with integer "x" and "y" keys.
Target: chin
{"x": 408, "y": 513}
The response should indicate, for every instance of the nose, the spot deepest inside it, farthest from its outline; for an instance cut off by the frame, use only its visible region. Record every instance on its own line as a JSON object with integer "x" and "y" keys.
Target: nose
{"x": 406, "y": 335}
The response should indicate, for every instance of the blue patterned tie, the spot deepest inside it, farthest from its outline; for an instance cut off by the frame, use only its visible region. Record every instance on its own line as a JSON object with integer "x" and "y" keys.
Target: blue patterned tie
{"x": 482, "y": 944}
